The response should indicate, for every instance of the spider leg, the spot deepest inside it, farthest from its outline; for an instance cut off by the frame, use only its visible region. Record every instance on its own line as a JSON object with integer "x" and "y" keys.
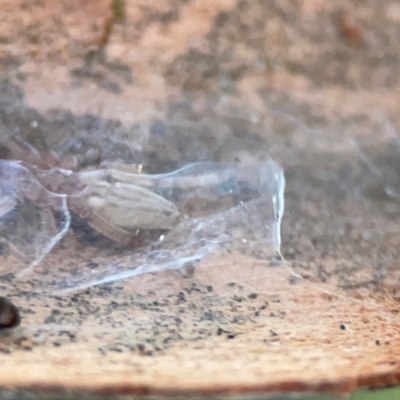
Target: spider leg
{"x": 16, "y": 148}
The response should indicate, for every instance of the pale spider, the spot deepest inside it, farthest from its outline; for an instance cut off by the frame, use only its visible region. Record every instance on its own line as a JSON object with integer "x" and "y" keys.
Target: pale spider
{"x": 115, "y": 199}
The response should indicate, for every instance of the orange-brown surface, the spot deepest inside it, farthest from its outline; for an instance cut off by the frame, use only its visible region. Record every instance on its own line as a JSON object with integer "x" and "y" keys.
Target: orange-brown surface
{"x": 205, "y": 335}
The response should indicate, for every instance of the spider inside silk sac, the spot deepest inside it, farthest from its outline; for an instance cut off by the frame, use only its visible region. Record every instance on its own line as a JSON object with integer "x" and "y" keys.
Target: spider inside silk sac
{"x": 112, "y": 198}
{"x": 9, "y": 314}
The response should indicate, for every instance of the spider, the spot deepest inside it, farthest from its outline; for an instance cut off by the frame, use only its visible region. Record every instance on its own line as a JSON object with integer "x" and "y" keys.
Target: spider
{"x": 115, "y": 199}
